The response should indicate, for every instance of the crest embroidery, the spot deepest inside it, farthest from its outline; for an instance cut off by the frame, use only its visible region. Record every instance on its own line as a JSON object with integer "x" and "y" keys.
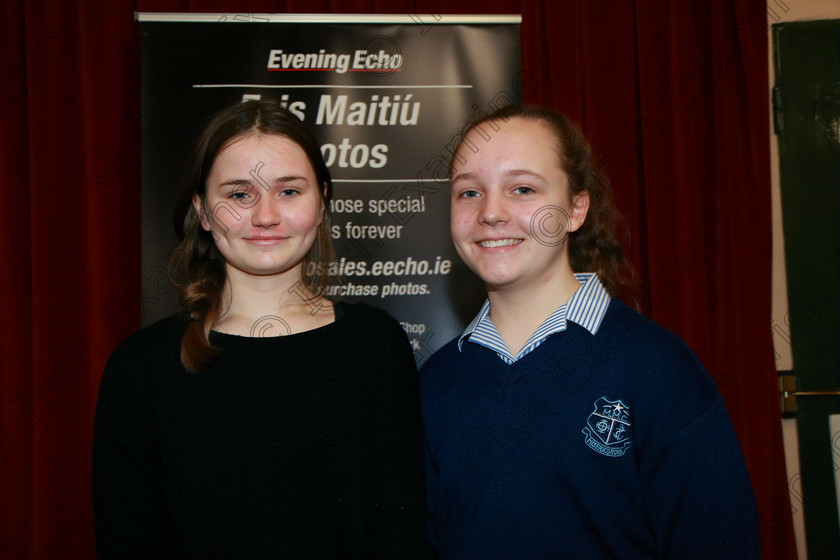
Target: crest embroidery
{"x": 607, "y": 429}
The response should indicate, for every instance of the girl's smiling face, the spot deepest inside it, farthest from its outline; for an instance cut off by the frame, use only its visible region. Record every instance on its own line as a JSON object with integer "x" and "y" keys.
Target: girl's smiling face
{"x": 262, "y": 204}
{"x": 510, "y": 209}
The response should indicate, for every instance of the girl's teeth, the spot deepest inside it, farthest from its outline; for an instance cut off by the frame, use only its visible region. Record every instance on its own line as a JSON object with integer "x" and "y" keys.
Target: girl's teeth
{"x": 500, "y": 243}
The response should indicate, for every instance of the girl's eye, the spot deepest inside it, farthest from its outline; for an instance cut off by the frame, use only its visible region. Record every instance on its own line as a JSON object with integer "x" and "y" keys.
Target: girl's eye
{"x": 469, "y": 194}
{"x": 242, "y": 191}
{"x": 289, "y": 192}
{"x": 523, "y": 190}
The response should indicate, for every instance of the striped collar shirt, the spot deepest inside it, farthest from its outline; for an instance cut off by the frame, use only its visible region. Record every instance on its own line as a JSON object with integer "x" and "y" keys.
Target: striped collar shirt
{"x": 586, "y": 308}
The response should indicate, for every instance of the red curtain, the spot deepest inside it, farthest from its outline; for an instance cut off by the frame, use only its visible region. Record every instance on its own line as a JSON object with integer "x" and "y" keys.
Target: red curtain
{"x": 673, "y": 96}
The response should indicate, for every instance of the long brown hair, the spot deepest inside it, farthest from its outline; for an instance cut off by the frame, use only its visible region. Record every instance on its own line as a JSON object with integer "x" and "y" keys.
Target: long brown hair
{"x": 595, "y": 246}
{"x": 196, "y": 264}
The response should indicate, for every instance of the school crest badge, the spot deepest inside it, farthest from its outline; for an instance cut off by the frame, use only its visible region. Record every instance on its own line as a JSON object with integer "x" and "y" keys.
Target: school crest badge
{"x": 607, "y": 429}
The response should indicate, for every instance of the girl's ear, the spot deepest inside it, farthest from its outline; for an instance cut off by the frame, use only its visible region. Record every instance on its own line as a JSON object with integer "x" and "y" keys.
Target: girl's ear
{"x": 579, "y": 209}
{"x": 323, "y": 203}
{"x": 199, "y": 209}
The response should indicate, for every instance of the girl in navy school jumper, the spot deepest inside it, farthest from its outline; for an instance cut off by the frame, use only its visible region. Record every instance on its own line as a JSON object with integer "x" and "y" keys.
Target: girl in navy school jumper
{"x": 563, "y": 424}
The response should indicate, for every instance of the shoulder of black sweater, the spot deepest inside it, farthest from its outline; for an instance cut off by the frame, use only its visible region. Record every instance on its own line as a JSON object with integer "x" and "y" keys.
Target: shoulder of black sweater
{"x": 374, "y": 317}
{"x": 136, "y": 359}
{"x": 162, "y": 335}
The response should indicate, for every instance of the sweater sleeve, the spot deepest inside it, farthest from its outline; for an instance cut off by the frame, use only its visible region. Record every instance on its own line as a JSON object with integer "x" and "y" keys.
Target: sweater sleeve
{"x": 699, "y": 498}
{"x": 399, "y": 489}
{"x": 128, "y": 503}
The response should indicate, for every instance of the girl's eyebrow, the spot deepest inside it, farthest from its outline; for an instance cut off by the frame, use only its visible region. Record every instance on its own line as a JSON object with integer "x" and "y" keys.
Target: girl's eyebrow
{"x": 459, "y": 176}
{"x": 284, "y": 179}
{"x": 289, "y": 178}
{"x": 508, "y": 172}
{"x": 522, "y": 172}
{"x": 234, "y": 182}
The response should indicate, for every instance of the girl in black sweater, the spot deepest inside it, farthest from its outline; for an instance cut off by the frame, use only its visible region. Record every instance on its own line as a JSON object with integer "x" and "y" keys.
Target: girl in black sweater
{"x": 263, "y": 420}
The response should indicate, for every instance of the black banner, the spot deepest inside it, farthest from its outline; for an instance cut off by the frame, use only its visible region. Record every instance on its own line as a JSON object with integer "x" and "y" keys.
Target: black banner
{"x": 387, "y": 102}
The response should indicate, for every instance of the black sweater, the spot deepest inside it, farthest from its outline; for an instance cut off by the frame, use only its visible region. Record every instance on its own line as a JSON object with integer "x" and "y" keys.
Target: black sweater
{"x": 301, "y": 446}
